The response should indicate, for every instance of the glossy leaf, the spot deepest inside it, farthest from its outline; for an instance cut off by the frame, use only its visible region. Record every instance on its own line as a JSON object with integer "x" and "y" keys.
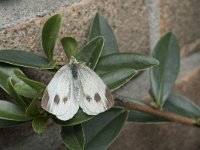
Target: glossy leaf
{"x": 25, "y": 59}
{"x": 117, "y": 78}
{"x": 80, "y": 117}
{"x": 70, "y": 46}
{"x": 91, "y": 52}
{"x": 182, "y": 106}
{"x": 100, "y": 27}
{"x": 24, "y": 90}
{"x": 10, "y": 111}
{"x": 73, "y": 137}
{"x": 38, "y": 86}
{"x": 16, "y": 97}
{"x": 7, "y": 71}
{"x": 125, "y": 60}
{"x": 49, "y": 35}
{"x": 103, "y": 129}
{"x": 163, "y": 76}
{"x": 39, "y": 124}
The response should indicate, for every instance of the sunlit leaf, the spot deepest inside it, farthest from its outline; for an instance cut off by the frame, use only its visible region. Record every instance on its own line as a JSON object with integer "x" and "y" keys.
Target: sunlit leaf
{"x": 70, "y": 46}
{"x": 49, "y": 35}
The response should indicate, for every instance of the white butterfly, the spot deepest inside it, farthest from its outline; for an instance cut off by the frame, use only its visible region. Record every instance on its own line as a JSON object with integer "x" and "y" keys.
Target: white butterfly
{"x": 76, "y": 85}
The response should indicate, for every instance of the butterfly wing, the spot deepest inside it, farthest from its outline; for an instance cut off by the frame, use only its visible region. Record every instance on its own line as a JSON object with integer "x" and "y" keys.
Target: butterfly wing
{"x": 96, "y": 97}
{"x": 59, "y": 98}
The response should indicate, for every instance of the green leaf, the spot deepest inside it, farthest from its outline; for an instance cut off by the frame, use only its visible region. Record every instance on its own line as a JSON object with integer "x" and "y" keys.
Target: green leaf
{"x": 125, "y": 60}
{"x": 100, "y": 27}
{"x": 7, "y": 71}
{"x": 38, "y": 86}
{"x": 103, "y": 129}
{"x": 33, "y": 110}
{"x": 91, "y": 52}
{"x": 73, "y": 137}
{"x": 10, "y": 111}
{"x": 117, "y": 78}
{"x": 80, "y": 117}
{"x": 162, "y": 77}
{"x": 39, "y": 124}
{"x": 182, "y": 106}
{"x": 9, "y": 123}
{"x": 49, "y": 35}
{"x": 25, "y": 59}
{"x": 16, "y": 97}
{"x": 70, "y": 46}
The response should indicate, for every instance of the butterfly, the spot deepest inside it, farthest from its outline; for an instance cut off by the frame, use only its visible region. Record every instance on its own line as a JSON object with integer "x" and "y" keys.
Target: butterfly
{"x": 75, "y": 85}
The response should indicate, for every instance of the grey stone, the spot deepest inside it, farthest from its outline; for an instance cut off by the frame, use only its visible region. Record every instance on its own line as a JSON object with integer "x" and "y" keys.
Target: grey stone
{"x": 15, "y": 11}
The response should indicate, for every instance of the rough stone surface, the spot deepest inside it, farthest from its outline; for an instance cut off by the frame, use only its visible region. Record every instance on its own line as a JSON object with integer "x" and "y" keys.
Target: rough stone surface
{"x": 181, "y": 17}
{"x": 15, "y": 11}
{"x": 128, "y": 20}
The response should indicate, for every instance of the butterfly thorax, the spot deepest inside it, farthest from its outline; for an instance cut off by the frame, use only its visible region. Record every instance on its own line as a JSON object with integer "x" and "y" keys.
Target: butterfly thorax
{"x": 73, "y": 67}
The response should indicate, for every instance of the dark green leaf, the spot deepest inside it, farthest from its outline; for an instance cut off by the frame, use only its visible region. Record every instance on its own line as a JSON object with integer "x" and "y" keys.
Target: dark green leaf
{"x": 117, "y": 78}
{"x": 25, "y": 59}
{"x": 103, "y": 129}
{"x": 70, "y": 46}
{"x": 9, "y": 123}
{"x": 182, "y": 106}
{"x": 10, "y": 111}
{"x": 73, "y": 137}
{"x": 141, "y": 117}
{"x": 80, "y": 117}
{"x": 91, "y": 52}
{"x": 39, "y": 124}
{"x": 162, "y": 77}
{"x": 49, "y": 35}
{"x": 125, "y": 60}
{"x": 33, "y": 109}
{"x": 100, "y": 27}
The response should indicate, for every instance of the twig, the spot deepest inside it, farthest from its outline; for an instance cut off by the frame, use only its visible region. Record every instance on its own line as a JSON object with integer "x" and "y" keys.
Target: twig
{"x": 167, "y": 115}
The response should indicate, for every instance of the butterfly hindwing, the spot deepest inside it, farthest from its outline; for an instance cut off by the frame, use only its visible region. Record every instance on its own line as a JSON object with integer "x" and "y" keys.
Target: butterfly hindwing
{"x": 58, "y": 97}
{"x": 96, "y": 97}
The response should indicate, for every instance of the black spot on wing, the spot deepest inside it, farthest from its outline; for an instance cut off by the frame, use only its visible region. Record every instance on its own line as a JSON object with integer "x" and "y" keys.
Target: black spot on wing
{"x": 56, "y": 99}
{"x": 97, "y": 97}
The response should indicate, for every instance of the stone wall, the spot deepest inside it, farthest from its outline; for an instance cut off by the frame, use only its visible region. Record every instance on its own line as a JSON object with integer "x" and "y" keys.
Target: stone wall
{"x": 138, "y": 26}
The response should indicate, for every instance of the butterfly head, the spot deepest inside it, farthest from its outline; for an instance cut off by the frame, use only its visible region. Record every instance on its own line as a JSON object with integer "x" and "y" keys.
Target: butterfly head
{"x": 73, "y": 60}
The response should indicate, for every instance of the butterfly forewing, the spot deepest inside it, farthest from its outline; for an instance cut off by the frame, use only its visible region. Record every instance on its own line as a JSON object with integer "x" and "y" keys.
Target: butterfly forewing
{"x": 59, "y": 97}
{"x": 96, "y": 97}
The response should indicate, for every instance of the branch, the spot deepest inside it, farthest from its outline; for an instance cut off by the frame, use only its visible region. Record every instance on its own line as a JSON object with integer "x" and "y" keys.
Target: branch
{"x": 167, "y": 115}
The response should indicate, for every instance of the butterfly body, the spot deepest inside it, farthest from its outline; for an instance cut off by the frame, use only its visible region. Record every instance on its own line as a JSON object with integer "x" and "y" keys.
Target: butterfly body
{"x": 76, "y": 85}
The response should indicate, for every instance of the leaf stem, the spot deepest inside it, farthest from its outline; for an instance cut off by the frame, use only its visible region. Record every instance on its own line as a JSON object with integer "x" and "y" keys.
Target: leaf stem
{"x": 147, "y": 109}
